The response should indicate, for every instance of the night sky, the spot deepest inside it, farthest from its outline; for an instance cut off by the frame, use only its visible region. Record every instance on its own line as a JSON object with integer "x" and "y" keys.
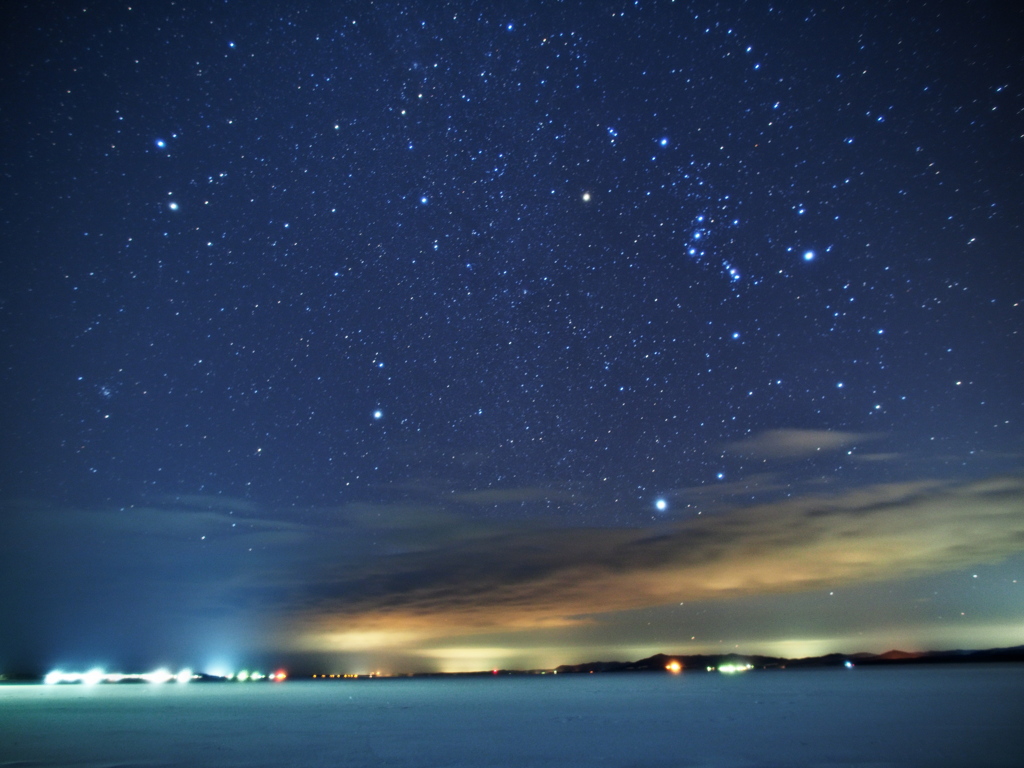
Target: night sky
{"x": 444, "y": 336}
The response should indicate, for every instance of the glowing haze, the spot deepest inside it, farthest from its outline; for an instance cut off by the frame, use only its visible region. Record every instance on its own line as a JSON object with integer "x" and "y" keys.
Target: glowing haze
{"x": 408, "y": 586}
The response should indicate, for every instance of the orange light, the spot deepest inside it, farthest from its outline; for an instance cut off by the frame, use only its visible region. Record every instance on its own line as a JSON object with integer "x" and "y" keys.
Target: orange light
{"x": 674, "y": 667}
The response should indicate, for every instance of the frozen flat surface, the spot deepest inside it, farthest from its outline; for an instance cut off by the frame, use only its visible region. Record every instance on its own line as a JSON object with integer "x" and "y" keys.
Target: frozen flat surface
{"x": 938, "y": 716}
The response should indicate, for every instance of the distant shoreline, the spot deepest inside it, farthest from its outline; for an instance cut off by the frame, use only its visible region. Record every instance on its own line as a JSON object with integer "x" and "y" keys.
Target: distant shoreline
{"x": 663, "y": 663}
{"x": 713, "y": 662}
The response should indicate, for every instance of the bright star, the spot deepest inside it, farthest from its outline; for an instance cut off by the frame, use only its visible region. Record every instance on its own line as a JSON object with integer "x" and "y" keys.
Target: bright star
{"x": 172, "y": 205}
{"x": 161, "y": 144}
{"x": 808, "y": 255}
{"x": 661, "y": 505}
{"x": 378, "y": 415}
{"x": 586, "y": 197}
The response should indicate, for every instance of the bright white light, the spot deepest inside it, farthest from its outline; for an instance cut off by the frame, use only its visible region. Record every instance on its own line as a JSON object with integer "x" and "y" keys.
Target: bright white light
{"x": 158, "y": 676}
{"x": 378, "y": 415}
{"x": 173, "y": 206}
{"x": 808, "y": 255}
{"x": 661, "y": 505}
{"x": 243, "y": 675}
{"x": 97, "y": 675}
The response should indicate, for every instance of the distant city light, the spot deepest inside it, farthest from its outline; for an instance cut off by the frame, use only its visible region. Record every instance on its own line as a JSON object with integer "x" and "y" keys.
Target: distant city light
{"x": 674, "y": 667}
{"x": 96, "y": 676}
{"x": 159, "y": 676}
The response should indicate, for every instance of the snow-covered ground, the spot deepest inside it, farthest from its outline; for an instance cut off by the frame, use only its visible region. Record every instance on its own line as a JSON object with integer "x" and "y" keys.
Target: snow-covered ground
{"x": 932, "y": 716}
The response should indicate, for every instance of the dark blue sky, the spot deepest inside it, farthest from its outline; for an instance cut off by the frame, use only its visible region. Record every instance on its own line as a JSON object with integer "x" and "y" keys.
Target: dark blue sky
{"x": 493, "y": 316}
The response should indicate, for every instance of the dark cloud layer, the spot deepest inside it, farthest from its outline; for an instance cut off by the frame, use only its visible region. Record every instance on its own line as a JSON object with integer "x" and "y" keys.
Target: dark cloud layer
{"x": 513, "y": 579}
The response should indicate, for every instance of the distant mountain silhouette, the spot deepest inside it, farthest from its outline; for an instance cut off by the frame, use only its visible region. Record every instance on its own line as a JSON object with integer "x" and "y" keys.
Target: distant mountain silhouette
{"x": 661, "y": 661}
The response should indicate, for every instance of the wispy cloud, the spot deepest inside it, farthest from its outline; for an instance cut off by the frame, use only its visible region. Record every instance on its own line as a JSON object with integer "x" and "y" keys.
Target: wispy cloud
{"x": 796, "y": 443}
{"x": 754, "y": 484}
{"x": 521, "y": 495}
